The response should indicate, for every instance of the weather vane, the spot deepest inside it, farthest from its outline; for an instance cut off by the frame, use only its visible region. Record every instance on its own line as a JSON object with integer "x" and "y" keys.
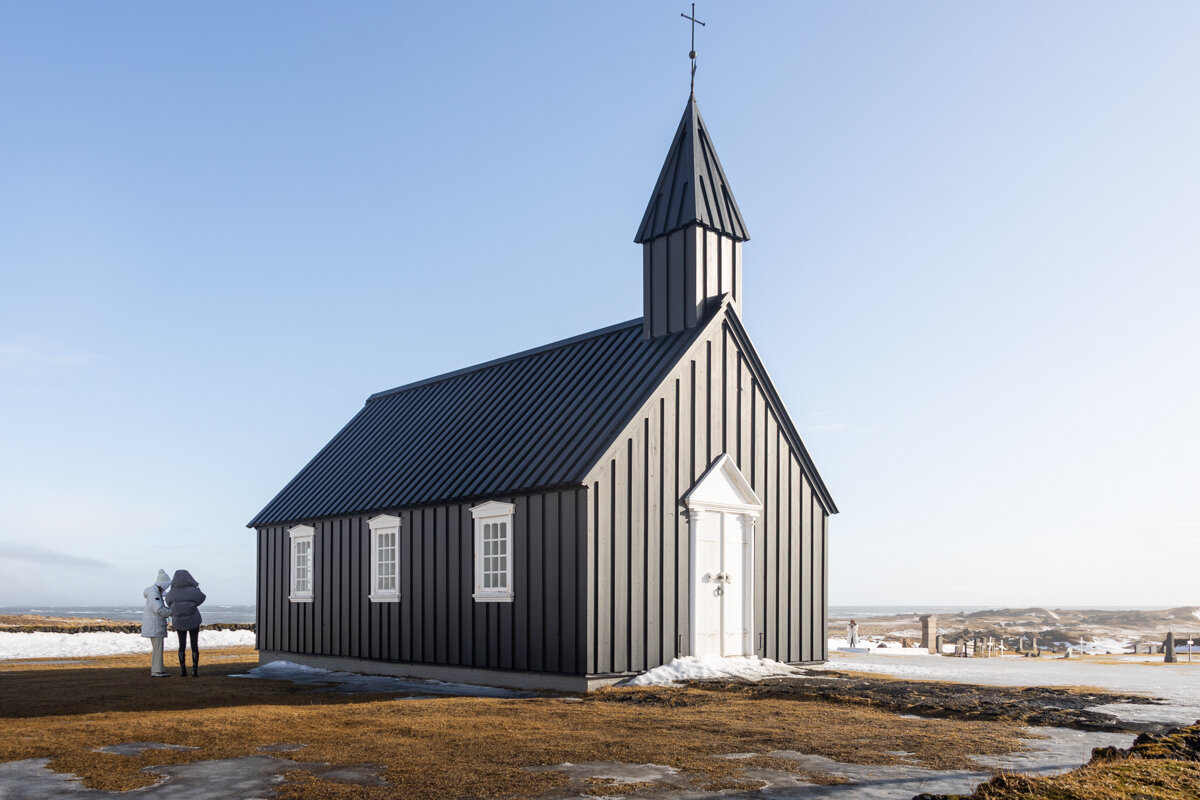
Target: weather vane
{"x": 692, "y": 55}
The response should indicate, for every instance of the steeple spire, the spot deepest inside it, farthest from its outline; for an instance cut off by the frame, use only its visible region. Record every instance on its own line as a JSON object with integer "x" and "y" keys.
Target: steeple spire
{"x": 691, "y": 233}
{"x": 692, "y": 187}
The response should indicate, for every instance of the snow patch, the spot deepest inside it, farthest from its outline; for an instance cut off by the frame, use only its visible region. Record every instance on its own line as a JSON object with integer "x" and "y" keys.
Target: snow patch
{"x": 878, "y": 646}
{"x": 694, "y": 668}
{"x": 1100, "y": 646}
{"x": 44, "y": 644}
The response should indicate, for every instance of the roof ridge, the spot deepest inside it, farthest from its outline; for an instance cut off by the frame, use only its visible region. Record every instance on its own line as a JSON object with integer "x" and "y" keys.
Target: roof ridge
{"x": 545, "y": 348}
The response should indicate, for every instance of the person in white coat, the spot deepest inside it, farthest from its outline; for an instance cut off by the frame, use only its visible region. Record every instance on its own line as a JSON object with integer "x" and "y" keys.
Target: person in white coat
{"x": 154, "y": 622}
{"x": 852, "y": 633}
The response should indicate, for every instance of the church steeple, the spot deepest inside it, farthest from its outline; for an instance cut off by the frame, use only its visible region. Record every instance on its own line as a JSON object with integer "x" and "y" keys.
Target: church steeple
{"x": 691, "y": 233}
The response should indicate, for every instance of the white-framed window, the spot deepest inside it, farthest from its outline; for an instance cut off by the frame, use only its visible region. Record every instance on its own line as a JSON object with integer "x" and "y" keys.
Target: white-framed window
{"x": 493, "y": 552}
{"x": 385, "y": 558}
{"x": 302, "y": 563}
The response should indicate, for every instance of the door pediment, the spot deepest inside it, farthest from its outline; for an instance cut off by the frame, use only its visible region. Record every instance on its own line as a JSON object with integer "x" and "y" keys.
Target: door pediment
{"x": 722, "y": 487}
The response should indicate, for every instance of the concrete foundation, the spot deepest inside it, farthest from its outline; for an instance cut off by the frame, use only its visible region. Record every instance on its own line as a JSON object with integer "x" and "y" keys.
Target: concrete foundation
{"x": 507, "y": 679}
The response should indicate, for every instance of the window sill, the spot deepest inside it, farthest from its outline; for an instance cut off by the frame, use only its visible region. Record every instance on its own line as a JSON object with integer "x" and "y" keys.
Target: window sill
{"x": 385, "y": 598}
{"x": 492, "y": 598}
{"x": 300, "y": 598}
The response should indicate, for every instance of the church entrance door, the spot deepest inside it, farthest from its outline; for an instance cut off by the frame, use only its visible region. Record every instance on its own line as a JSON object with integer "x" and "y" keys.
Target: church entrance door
{"x": 722, "y": 509}
{"x": 723, "y": 604}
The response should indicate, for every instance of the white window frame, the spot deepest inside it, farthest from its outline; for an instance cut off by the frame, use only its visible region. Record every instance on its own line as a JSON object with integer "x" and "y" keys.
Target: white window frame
{"x": 301, "y": 534}
{"x": 490, "y": 513}
{"x": 381, "y": 525}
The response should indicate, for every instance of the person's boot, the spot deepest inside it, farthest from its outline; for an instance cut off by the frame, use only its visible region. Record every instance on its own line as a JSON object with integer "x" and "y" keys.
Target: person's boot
{"x": 182, "y": 665}
{"x": 195, "y": 665}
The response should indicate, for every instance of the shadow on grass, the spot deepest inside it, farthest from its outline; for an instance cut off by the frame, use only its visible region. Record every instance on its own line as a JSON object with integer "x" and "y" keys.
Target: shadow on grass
{"x": 103, "y": 689}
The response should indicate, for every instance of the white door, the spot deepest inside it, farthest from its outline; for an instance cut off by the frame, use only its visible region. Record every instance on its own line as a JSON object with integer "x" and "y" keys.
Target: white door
{"x": 722, "y": 607}
{"x": 708, "y": 599}
{"x": 734, "y": 630}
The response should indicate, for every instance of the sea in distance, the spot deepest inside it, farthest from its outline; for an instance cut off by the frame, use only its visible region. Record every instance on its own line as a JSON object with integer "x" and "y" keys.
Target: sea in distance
{"x": 211, "y": 613}
{"x": 215, "y": 613}
{"x": 839, "y": 612}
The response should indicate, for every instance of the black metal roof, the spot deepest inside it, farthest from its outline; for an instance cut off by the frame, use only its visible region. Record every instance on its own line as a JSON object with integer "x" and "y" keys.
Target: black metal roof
{"x": 535, "y": 419}
{"x": 692, "y": 187}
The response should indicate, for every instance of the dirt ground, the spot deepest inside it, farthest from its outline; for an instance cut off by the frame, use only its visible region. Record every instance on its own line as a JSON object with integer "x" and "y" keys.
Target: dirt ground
{"x": 448, "y": 747}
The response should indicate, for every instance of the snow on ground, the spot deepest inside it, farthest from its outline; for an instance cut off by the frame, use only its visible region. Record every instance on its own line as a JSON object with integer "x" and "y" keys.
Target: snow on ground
{"x": 888, "y": 646}
{"x": 1100, "y": 646}
{"x": 41, "y": 644}
{"x": 876, "y": 645}
{"x": 1179, "y": 684}
{"x": 355, "y": 683}
{"x": 691, "y": 668}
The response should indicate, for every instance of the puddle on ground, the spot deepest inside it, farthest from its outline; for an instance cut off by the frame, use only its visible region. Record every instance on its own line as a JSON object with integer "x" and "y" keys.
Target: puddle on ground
{"x": 224, "y": 779}
{"x": 1060, "y": 750}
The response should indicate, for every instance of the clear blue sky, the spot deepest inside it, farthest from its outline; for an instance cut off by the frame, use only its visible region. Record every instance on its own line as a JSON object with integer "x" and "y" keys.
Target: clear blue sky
{"x": 973, "y": 272}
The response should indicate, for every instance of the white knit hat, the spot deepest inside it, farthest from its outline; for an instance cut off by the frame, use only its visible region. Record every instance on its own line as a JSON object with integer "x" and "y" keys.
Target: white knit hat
{"x": 163, "y": 579}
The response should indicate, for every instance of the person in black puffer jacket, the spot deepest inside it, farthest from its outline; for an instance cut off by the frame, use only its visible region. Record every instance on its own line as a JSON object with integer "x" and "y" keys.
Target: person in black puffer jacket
{"x": 184, "y": 600}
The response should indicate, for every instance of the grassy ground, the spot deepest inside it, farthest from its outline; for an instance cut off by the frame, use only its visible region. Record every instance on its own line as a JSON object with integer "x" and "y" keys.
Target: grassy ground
{"x": 1125, "y": 780}
{"x": 443, "y": 747}
{"x": 30, "y": 623}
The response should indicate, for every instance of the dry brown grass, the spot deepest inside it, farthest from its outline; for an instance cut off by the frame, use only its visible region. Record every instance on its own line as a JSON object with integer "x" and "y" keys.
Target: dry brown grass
{"x": 610, "y": 787}
{"x": 1123, "y": 780}
{"x": 436, "y": 748}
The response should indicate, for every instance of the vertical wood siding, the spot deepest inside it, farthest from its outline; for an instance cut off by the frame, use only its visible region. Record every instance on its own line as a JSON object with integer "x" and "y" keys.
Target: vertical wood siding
{"x": 436, "y": 621}
{"x": 712, "y": 403}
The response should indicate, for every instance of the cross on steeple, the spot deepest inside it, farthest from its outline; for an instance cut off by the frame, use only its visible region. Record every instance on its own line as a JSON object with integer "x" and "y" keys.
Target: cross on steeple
{"x": 692, "y": 54}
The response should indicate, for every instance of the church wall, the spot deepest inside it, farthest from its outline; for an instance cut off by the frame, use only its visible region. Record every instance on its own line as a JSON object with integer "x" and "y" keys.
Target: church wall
{"x": 714, "y": 402}
{"x": 436, "y": 620}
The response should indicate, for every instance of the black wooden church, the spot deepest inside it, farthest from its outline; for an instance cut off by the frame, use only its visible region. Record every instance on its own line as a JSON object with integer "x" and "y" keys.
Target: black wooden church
{"x": 572, "y": 514}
